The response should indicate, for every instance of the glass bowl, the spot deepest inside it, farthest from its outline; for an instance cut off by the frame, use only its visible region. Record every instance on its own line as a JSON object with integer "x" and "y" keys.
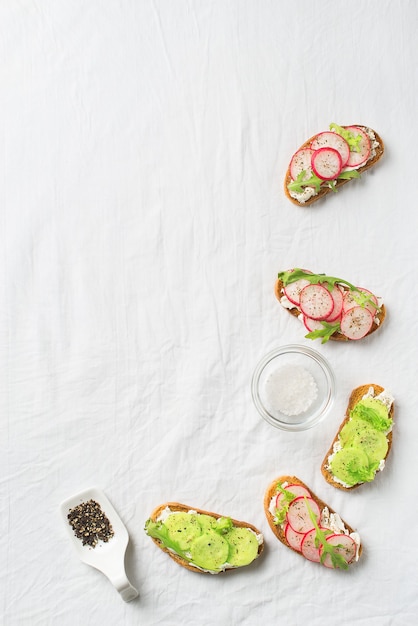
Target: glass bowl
{"x": 293, "y": 387}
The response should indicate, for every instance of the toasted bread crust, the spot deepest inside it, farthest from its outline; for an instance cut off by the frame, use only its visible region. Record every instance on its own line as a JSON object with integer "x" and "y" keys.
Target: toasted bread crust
{"x": 356, "y": 395}
{"x": 277, "y": 530}
{"x": 278, "y": 292}
{"x": 326, "y": 190}
{"x": 177, "y": 506}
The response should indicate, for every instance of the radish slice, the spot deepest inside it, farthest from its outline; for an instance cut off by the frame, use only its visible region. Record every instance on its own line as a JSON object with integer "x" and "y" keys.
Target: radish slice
{"x": 316, "y": 302}
{"x": 301, "y": 161}
{"x": 350, "y": 302}
{"x": 346, "y": 547}
{"x": 357, "y": 158}
{"x": 329, "y": 139}
{"x": 297, "y": 490}
{"x": 311, "y": 324}
{"x": 326, "y": 163}
{"x": 308, "y": 548}
{"x": 337, "y": 296}
{"x": 356, "y": 323}
{"x": 292, "y": 291}
{"x": 293, "y": 538}
{"x": 298, "y": 514}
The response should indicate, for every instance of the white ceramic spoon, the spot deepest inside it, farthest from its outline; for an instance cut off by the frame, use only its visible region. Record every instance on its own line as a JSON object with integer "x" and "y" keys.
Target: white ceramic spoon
{"x": 108, "y": 557}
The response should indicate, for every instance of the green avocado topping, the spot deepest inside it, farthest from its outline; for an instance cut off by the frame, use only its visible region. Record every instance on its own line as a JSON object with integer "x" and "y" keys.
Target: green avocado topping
{"x": 364, "y": 443}
{"x": 205, "y": 541}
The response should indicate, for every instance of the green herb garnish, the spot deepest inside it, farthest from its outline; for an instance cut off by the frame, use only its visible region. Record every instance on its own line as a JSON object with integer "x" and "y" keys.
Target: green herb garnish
{"x": 372, "y": 417}
{"x": 337, "y": 559}
{"x": 325, "y": 332}
{"x": 301, "y": 181}
{"x": 291, "y": 276}
{"x": 280, "y": 513}
{"x": 157, "y": 530}
{"x": 352, "y": 139}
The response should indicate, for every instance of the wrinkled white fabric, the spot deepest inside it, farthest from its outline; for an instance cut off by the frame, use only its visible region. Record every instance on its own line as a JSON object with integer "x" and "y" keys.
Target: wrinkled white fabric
{"x": 143, "y": 146}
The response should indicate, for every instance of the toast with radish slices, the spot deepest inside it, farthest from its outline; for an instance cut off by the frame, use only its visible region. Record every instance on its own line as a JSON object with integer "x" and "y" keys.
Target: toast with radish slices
{"x": 363, "y": 441}
{"x": 329, "y": 307}
{"x": 201, "y": 541}
{"x": 308, "y": 526}
{"x": 330, "y": 159}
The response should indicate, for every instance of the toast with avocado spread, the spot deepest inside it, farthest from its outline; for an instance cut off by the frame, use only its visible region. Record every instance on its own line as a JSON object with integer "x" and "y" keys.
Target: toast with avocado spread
{"x": 201, "y": 541}
{"x": 363, "y": 441}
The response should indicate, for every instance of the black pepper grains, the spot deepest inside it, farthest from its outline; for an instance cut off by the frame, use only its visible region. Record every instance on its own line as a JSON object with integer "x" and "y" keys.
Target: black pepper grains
{"x": 90, "y": 524}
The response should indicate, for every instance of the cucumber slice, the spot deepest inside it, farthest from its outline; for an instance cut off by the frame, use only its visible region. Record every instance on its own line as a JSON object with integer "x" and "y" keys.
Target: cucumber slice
{"x": 209, "y": 551}
{"x": 207, "y": 522}
{"x": 373, "y": 443}
{"x": 351, "y": 465}
{"x": 183, "y": 528}
{"x": 352, "y": 429}
{"x": 374, "y": 412}
{"x": 243, "y": 546}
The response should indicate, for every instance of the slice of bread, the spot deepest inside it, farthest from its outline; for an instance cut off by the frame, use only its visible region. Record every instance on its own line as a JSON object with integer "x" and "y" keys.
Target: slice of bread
{"x": 380, "y": 316}
{"x": 325, "y": 190}
{"x": 356, "y": 395}
{"x": 177, "y": 506}
{"x": 277, "y": 529}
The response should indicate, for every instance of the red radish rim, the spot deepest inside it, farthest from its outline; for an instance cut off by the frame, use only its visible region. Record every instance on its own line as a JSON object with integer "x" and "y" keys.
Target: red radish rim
{"x": 368, "y": 323}
{"x": 318, "y": 154}
{"x": 357, "y": 163}
{"x": 315, "y": 290}
{"x": 296, "y": 168}
{"x": 334, "y": 138}
{"x": 313, "y": 506}
{"x": 338, "y": 304}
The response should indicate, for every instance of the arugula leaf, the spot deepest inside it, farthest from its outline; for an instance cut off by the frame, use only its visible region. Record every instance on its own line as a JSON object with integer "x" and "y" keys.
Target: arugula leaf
{"x": 359, "y": 296}
{"x": 352, "y": 139}
{"x": 281, "y": 511}
{"x": 325, "y": 332}
{"x": 157, "y": 530}
{"x": 291, "y": 276}
{"x": 301, "y": 181}
{"x": 349, "y": 174}
{"x": 337, "y": 559}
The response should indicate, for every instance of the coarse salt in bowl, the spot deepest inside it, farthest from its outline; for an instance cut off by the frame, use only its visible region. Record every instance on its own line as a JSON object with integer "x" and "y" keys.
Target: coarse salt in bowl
{"x": 293, "y": 387}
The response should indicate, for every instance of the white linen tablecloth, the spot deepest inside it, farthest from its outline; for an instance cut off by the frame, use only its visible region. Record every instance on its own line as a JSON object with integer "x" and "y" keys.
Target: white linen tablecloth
{"x": 143, "y": 146}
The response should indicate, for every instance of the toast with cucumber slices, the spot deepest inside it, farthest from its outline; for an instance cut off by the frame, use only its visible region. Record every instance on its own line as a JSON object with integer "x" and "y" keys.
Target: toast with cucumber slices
{"x": 363, "y": 441}
{"x": 329, "y": 307}
{"x": 308, "y": 526}
{"x": 329, "y": 160}
{"x": 201, "y": 541}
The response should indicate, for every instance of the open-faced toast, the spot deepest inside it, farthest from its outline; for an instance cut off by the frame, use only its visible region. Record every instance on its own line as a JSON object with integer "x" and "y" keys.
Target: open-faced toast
{"x": 329, "y": 160}
{"x": 202, "y": 541}
{"x": 305, "y": 524}
{"x": 329, "y": 307}
{"x": 363, "y": 441}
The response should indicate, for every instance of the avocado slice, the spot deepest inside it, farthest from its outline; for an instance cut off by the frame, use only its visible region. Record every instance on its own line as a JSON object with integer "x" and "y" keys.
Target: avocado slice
{"x": 209, "y": 551}
{"x": 351, "y": 465}
{"x": 243, "y": 546}
{"x": 183, "y": 528}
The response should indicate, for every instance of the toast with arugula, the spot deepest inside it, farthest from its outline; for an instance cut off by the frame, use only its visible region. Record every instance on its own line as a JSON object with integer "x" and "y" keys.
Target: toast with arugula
{"x": 304, "y": 523}
{"x": 329, "y": 307}
{"x": 329, "y": 160}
